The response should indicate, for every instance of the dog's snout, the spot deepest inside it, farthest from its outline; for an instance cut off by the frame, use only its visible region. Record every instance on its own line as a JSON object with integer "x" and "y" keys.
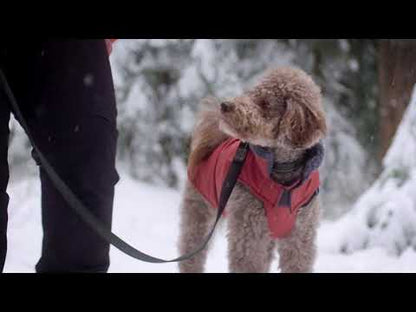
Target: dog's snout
{"x": 227, "y": 107}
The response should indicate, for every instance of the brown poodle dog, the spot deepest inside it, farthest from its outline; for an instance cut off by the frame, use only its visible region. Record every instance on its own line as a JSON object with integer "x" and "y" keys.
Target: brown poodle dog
{"x": 283, "y": 113}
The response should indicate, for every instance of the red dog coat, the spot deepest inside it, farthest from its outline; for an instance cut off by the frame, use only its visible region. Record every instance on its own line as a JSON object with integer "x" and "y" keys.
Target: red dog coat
{"x": 208, "y": 177}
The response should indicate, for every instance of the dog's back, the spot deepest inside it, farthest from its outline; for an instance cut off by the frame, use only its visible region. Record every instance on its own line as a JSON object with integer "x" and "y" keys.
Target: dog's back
{"x": 207, "y": 135}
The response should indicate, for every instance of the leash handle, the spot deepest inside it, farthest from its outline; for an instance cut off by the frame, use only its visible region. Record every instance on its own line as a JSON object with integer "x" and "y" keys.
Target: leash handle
{"x": 94, "y": 223}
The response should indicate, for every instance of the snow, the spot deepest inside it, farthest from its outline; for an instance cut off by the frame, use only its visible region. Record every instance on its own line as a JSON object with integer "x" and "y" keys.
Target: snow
{"x": 403, "y": 149}
{"x": 147, "y": 216}
{"x": 385, "y": 215}
{"x": 345, "y": 164}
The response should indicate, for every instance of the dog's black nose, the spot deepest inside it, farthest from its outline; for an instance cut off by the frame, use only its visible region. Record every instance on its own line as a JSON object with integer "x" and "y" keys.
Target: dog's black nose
{"x": 227, "y": 107}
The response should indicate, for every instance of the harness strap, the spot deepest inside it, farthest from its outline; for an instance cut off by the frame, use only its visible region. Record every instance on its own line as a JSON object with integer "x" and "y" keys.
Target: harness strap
{"x": 105, "y": 233}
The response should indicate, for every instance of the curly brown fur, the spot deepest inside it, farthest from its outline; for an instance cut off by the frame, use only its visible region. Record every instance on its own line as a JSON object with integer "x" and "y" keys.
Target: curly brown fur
{"x": 206, "y": 135}
{"x": 250, "y": 246}
{"x": 283, "y": 112}
{"x": 196, "y": 217}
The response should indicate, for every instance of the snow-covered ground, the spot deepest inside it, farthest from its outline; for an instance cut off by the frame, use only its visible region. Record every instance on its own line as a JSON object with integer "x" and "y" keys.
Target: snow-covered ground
{"x": 147, "y": 216}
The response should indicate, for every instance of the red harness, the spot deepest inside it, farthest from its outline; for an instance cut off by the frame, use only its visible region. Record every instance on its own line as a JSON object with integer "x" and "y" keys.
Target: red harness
{"x": 209, "y": 175}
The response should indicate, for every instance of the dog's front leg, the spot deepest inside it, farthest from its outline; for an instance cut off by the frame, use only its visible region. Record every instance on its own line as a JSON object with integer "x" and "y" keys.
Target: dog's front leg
{"x": 250, "y": 246}
{"x": 196, "y": 217}
{"x": 298, "y": 251}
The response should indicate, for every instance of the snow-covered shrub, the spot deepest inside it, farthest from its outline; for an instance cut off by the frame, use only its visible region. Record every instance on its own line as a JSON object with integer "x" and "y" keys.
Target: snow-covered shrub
{"x": 385, "y": 215}
{"x": 346, "y": 170}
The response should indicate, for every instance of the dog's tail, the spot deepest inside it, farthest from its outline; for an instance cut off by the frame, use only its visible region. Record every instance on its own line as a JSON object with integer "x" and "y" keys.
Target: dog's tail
{"x": 206, "y": 135}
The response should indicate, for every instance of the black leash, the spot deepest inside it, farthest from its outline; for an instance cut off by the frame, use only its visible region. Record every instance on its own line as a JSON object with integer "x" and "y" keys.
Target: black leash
{"x": 94, "y": 223}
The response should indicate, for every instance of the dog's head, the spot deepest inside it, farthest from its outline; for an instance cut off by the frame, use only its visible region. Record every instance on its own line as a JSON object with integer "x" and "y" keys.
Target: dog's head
{"x": 284, "y": 109}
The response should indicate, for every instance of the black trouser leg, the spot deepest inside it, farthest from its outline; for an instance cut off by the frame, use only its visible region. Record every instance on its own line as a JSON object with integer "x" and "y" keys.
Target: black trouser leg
{"x": 4, "y": 177}
{"x": 80, "y": 141}
{"x": 65, "y": 90}
{"x": 87, "y": 165}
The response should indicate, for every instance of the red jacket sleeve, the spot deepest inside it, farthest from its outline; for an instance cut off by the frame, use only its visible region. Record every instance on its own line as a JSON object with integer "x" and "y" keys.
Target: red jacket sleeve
{"x": 109, "y": 43}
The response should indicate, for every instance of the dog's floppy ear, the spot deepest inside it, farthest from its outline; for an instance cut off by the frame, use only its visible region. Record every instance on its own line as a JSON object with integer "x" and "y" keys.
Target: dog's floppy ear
{"x": 302, "y": 124}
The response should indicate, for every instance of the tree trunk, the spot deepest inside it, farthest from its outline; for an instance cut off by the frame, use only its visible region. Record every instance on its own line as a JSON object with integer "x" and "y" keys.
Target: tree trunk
{"x": 397, "y": 76}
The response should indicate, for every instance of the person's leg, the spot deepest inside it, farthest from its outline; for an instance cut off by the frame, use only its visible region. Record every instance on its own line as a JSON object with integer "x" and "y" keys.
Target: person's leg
{"x": 4, "y": 176}
{"x": 70, "y": 107}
